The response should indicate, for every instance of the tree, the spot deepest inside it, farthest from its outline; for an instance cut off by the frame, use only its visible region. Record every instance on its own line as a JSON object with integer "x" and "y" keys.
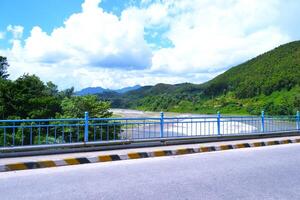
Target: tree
{"x": 3, "y": 67}
{"x": 28, "y": 97}
{"x": 7, "y": 98}
{"x": 75, "y": 107}
{"x": 67, "y": 93}
{"x": 51, "y": 88}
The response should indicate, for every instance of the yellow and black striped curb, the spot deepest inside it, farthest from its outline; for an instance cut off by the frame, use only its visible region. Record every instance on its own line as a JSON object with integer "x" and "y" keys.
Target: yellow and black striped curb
{"x": 137, "y": 155}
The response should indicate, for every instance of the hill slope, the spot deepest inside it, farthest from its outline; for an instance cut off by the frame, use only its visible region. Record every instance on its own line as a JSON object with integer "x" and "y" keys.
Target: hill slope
{"x": 100, "y": 90}
{"x": 90, "y": 90}
{"x": 270, "y": 82}
{"x": 272, "y": 71}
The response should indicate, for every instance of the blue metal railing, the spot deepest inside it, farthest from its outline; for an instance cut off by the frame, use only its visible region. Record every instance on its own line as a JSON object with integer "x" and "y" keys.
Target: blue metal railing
{"x": 60, "y": 131}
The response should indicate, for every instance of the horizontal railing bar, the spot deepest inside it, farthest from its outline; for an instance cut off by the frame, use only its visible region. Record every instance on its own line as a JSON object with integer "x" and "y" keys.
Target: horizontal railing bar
{"x": 193, "y": 117}
{"x": 41, "y": 120}
{"x": 145, "y": 118}
{"x": 120, "y": 123}
{"x": 123, "y": 119}
{"x": 41, "y": 125}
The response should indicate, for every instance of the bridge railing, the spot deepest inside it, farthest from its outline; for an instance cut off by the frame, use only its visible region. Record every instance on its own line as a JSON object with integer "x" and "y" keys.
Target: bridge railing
{"x": 14, "y": 133}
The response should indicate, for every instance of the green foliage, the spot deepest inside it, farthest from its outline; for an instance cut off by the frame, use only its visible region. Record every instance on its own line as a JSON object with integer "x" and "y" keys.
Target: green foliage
{"x": 3, "y": 67}
{"x": 28, "y": 97}
{"x": 270, "y": 72}
{"x": 157, "y": 98}
{"x": 75, "y": 107}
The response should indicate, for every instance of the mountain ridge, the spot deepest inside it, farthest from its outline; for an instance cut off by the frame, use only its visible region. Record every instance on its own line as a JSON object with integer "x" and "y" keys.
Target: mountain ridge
{"x": 100, "y": 90}
{"x": 268, "y": 82}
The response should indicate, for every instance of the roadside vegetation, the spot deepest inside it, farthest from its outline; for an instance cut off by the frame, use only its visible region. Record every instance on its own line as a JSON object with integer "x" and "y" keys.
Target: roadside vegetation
{"x": 28, "y": 97}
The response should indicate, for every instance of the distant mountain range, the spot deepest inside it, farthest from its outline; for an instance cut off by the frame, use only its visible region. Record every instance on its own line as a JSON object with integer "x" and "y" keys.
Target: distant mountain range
{"x": 100, "y": 90}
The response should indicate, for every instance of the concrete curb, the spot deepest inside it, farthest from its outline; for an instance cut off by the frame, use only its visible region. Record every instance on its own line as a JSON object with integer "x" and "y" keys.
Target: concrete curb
{"x": 35, "y": 150}
{"x": 137, "y": 155}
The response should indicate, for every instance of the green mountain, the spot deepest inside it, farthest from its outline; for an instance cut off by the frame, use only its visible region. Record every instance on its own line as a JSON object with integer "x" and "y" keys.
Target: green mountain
{"x": 272, "y": 71}
{"x": 269, "y": 82}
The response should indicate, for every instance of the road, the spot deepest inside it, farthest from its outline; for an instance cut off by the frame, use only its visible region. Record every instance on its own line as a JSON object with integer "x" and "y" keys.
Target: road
{"x": 256, "y": 173}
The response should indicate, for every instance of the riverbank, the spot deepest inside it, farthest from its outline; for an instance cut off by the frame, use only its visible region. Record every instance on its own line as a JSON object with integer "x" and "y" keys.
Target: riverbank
{"x": 120, "y": 112}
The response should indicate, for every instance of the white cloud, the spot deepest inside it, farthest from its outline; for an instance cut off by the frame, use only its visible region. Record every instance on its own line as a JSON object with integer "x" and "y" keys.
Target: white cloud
{"x": 92, "y": 37}
{"x": 17, "y": 31}
{"x": 217, "y": 34}
{"x": 81, "y": 77}
{"x": 2, "y": 35}
{"x": 96, "y": 48}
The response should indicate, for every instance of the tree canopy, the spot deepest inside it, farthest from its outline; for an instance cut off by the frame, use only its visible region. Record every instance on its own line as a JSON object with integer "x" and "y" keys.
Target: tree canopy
{"x": 29, "y": 97}
{"x": 3, "y": 68}
{"x": 76, "y": 106}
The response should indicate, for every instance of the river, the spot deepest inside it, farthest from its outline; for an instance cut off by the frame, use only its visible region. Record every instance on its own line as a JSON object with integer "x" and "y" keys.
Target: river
{"x": 137, "y": 113}
{"x": 187, "y": 124}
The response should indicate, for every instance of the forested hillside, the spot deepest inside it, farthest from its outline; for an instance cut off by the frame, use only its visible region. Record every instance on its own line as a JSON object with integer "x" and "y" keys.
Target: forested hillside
{"x": 272, "y": 71}
{"x": 268, "y": 82}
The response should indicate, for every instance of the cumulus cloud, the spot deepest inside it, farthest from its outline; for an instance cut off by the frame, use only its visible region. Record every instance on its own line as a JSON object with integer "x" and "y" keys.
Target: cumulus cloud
{"x": 97, "y": 48}
{"x": 209, "y": 35}
{"x": 17, "y": 31}
{"x": 91, "y": 37}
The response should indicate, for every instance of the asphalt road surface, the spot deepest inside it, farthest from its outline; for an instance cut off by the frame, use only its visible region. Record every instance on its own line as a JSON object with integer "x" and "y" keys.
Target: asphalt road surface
{"x": 257, "y": 173}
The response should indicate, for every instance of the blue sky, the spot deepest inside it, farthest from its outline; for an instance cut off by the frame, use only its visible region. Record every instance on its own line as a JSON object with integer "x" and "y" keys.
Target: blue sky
{"x": 52, "y": 13}
{"x": 29, "y": 13}
{"x": 119, "y": 43}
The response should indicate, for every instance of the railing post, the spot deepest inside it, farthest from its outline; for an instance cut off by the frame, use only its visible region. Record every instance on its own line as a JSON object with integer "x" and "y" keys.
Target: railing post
{"x": 219, "y": 122}
{"x": 298, "y": 120}
{"x": 86, "y": 126}
{"x": 162, "y": 124}
{"x": 262, "y": 121}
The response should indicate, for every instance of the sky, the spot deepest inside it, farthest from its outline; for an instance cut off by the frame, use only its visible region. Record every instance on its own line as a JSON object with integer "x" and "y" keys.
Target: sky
{"x": 119, "y": 43}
